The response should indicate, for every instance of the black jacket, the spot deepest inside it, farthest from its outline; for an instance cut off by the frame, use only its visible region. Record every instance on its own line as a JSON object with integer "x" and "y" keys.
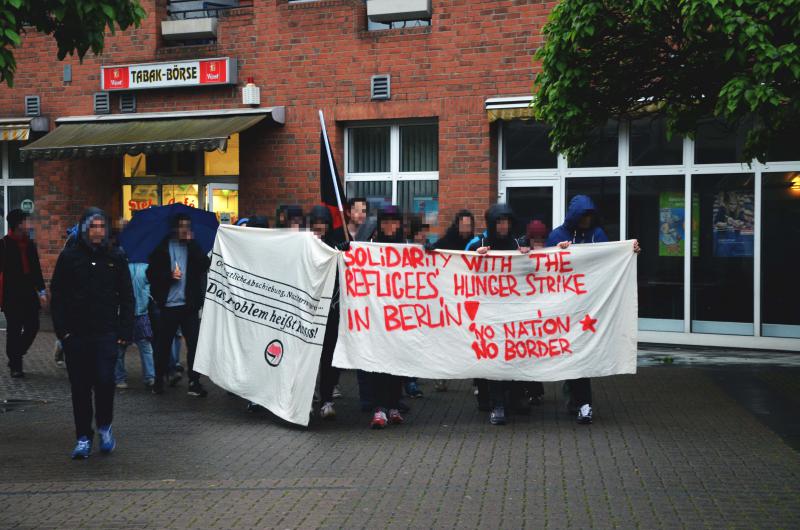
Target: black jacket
{"x": 20, "y": 290}
{"x": 92, "y": 293}
{"x": 492, "y": 239}
{"x": 159, "y": 272}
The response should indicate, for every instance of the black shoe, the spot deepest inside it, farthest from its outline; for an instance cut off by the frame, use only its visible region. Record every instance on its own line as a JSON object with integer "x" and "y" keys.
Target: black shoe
{"x": 498, "y": 416}
{"x": 17, "y": 374}
{"x": 158, "y": 387}
{"x": 197, "y": 390}
{"x": 174, "y": 379}
{"x": 584, "y": 414}
{"x": 403, "y": 407}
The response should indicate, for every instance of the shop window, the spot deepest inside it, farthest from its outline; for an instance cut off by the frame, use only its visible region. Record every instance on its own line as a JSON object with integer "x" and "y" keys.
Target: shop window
{"x": 527, "y": 146}
{"x": 224, "y": 163}
{"x": 602, "y": 148}
{"x": 780, "y": 254}
{"x": 656, "y": 217}
{"x": 717, "y": 142}
{"x": 722, "y": 269}
{"x": 395, "y": 164}
{"x": 138, "y": 197}
{"x": 17, "y": 169}
{"x": 649, "y": 145}
{"x": 604, "y": 192}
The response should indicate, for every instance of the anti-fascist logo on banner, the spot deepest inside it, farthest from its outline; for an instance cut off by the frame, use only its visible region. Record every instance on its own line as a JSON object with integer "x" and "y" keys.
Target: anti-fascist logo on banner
{"x": 273, "y": 354}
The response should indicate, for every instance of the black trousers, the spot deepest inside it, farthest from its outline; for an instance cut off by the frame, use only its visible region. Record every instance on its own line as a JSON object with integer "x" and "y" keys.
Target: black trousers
{"x": 328, "y": 375}
{"x": 23, "y": 325}
{"x": 169, "y": 320}
{"x": 388, "y": 389}
{"x": 580, "y": 392}
{"x": 90, "y": 366}
{"x": 505, "y": 393}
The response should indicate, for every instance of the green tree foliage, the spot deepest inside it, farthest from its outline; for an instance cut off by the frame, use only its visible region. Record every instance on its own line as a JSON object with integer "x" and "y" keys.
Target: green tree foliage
{"x": 682, "y": 59}
{"x": 77, "y": 25}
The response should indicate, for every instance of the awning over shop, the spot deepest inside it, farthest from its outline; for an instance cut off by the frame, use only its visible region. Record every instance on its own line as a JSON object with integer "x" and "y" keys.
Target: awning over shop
{"x": 509, "y": 108}
{"x": 15, "y": 129}
{"x": 102, "y": 136}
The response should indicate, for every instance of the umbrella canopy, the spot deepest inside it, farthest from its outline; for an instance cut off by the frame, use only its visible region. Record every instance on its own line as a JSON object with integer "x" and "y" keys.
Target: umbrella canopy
{"x": 149, "y": 227}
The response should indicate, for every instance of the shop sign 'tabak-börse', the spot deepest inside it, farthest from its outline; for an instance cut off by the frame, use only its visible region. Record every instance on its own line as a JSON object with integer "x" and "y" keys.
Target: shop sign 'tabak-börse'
{"x": 200, "y": 72}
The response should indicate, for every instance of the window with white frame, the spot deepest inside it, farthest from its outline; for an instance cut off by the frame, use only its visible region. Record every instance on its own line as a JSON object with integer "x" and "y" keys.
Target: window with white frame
{"x": 395, "y": 163}
{"x": 717, "y": 236}
{"x": 16, "y": 181}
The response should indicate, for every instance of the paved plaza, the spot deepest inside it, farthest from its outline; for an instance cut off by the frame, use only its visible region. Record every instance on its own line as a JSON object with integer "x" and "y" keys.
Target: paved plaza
{"x": 684, "y": 443}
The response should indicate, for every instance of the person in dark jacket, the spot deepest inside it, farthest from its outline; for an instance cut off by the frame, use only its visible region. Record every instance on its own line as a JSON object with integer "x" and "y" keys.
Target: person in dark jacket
{"x": 500, "y": 226}
{"x": 177, "y": 272}
{"x": 23, "y": 290}
{"x": 580, "y": 226}
{"x": 93, "y": 312}
{"x": 387, "y": 388}
{"x": 457, "y": 237}
{"x": 321, "y": 223}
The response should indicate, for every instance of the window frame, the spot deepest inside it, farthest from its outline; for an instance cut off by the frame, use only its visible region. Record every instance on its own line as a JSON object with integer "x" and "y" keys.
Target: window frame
{"x": 7, "y": 182}
{"x": 394, "y": 175}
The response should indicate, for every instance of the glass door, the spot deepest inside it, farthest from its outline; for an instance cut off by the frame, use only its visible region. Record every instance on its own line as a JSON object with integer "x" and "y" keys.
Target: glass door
{"x": 223, "y": 200}
{"x": 534, "y": 200}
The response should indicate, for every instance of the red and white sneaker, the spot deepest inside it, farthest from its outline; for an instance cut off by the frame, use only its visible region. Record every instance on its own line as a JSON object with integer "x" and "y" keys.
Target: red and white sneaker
{"x": 378, "y": 420}
{"x": 395, "y": 418}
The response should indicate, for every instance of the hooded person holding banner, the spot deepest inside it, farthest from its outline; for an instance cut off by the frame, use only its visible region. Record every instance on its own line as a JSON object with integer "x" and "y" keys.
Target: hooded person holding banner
{"x": 500, "y": 224}
{"x": 321, "y": 223}
{"x": 387, "y": 388}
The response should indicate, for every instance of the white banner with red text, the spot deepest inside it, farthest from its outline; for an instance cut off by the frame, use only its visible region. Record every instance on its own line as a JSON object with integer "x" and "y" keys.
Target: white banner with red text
{"x": 266, "y": 307}
{"x": 550, "y": 315}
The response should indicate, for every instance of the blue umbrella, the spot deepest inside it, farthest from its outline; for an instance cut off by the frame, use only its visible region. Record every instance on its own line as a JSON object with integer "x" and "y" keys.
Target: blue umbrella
{"x": 149, "y": 227}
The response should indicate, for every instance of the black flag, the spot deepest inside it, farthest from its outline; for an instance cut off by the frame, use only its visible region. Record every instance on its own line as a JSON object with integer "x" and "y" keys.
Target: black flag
{"x": 329, "y": 185}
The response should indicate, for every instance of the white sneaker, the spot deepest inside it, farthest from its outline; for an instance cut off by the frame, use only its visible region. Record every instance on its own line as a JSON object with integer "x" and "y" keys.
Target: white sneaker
{"x": 327, "y": 412}
{"x": 122, "y": 385}
{"x": 585, "y": 414}
{"x": 336, "y": 392}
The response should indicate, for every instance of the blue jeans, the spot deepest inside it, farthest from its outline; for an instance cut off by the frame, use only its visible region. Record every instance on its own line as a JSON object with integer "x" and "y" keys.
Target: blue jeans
{"x": 175, "y": 353}
{"x": 146, "y": 355}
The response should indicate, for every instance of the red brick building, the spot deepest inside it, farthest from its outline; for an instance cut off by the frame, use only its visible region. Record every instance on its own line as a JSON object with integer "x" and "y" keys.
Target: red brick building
{"x": 429, "y": 113}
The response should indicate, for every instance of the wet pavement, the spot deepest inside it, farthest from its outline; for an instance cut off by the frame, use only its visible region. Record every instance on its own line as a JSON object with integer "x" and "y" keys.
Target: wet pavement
{"x": 698, "y": 438}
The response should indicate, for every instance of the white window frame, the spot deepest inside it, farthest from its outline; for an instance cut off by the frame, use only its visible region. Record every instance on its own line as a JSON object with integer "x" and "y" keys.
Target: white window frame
{"x": 663, "y": 330}
{"x": 394, "y": 175}
{"x": 7, "y": 182}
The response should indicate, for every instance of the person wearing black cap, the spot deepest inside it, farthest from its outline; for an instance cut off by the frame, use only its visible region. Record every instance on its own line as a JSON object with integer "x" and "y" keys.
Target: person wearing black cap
{"x": 93, "y": 314}
{"x": 177, "y": 272}
{"x": 22, "y": 289}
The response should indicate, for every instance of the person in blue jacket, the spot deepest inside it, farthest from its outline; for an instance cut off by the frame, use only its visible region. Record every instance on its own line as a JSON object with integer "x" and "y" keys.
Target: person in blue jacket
{"x": 580, "y": 226}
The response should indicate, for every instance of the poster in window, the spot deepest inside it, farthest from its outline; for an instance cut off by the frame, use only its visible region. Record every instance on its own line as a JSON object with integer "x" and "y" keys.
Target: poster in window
{"x": 428, "y": 207}
{"x": 733, "y": 224}
{"x": 672, "y": 224}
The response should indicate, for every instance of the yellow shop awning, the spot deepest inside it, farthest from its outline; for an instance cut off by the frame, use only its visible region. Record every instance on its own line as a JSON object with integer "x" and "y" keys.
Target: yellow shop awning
{"x": 103, "y": 136}
{"x": 15, "y": 129}
{"x": 509, "y": 108}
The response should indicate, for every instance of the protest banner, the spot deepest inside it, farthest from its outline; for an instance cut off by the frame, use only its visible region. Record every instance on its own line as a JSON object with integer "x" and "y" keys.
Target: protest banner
{"x": 549, "y": 315}
{"x": 267, "y": 301}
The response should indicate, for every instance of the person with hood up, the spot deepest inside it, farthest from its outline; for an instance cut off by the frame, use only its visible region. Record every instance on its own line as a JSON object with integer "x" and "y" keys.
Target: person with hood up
{"x": 387, "y": 388}
{"x": 93, "y": 313}
{"x": 22, "y": 290}
{"x": 500, "y": 224}
{"x": 580, "y": 226}
{"x": 321, "y": 224}
{"x": 177, "y": 272}
{"x": 142, "y": 330}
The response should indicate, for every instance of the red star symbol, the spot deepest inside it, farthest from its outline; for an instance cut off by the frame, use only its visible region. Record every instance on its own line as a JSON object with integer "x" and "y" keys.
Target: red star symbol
{"x": 588, "y": 323}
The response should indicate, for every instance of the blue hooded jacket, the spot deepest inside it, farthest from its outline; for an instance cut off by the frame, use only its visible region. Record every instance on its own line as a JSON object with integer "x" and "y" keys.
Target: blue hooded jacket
{"x": 579, "y": 206}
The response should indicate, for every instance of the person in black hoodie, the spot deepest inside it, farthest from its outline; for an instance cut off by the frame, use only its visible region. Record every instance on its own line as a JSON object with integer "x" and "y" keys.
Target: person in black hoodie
{"x": 23, "y": 291}
{"x": 93, "y": 313}
{"x": 387, "y": 388}
{"x": 500, "y": 226}
{"x": 177, "y": 272}
{"x": 321, "y": 224}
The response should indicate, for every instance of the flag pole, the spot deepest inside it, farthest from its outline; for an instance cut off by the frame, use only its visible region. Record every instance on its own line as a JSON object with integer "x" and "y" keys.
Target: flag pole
{"x": 333, "y": 174}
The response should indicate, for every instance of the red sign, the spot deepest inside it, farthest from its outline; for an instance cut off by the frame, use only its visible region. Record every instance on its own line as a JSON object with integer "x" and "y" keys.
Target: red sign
{"x": 116, "y": 78}
{"x": 213, "y": 72}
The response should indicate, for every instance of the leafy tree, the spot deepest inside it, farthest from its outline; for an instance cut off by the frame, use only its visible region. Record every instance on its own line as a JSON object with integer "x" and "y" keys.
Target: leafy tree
{"x": 682, "y": 59}
{"x": 77, "y": 25}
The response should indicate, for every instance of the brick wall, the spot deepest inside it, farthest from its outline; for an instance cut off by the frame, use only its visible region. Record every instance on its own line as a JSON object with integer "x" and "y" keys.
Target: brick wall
{"x": 306, "y": 56}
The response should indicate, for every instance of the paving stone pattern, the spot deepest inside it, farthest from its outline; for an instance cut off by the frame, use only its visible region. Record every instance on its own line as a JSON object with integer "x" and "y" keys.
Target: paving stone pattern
{"x": 669, "y": 449}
